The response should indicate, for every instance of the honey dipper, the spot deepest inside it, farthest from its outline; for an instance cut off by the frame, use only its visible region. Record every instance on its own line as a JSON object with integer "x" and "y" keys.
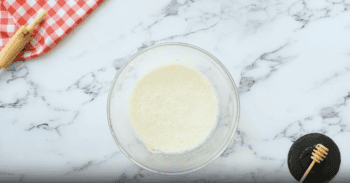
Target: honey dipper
{"x": 19, "y": 41}
{"x": 319, "y": 153}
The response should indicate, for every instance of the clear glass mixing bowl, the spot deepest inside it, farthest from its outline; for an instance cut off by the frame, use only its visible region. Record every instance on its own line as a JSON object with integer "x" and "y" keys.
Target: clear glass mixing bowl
{"x": 120, "y": 123}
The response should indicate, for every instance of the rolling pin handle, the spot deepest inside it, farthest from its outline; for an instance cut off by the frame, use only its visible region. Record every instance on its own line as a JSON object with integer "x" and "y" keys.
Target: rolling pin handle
{"x": 41, "y": 15}
{"x": 18, "y": 42}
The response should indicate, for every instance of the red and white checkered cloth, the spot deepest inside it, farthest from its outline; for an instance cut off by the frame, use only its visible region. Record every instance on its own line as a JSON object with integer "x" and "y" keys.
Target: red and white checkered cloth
{"x": 62, "y": 17}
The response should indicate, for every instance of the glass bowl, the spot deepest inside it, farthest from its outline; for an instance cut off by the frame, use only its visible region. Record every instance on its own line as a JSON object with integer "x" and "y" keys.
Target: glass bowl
{"x": 120, "y": 123}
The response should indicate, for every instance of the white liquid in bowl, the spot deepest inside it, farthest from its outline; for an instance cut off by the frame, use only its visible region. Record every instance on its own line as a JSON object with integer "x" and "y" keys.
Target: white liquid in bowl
{"x": 173, "y": 108}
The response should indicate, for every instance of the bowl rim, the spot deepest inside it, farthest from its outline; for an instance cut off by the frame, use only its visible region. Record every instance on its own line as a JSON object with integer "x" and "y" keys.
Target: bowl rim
{"x": 179, "y": 44}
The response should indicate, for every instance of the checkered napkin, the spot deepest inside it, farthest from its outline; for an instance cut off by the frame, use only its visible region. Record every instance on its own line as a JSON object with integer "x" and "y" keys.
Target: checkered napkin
{"x": 62, "y": 17}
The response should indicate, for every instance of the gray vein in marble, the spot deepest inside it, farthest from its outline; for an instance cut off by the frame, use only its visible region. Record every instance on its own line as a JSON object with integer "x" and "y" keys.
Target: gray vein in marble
{"x": 253, "y": 176}
{"x": 17, "y": 104}
{"x": 50, "y": 127}
{"x": 330, "y": 112}
{"x": 170, "y": 10}
{"x": 257, "y": 155}
{"x": 16, "y": 73}
{"x": 72, "y": 121}
{"x": 90, "y": 163}
{"x": 122, "y": 178}
{"x": 238, "y": 140}
{"x": 145, "y": 45}
{"x": 118, "y": 63}
{"x": 6, "y": 173}
{"x": 151, "y": 43}
{"x": 94, "y": 88}
{"x": 20, "y": 72}
{"x": 284, "y": 135}
{"x": 271, "y": 59}
{"x": 281, "y": 166}
{"x": 186, "y": 34}
{"x": 80, "y": 168}
{"x": 334, "y": 76}
{"x": 136, "y": 178}
{"x": 307, "y": 14}
{"x": 21, "y": 176}
{"x": 45, "y": 126}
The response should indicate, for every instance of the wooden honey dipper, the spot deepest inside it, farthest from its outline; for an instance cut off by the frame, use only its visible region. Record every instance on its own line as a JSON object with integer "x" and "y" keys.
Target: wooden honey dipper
{"x": 319, "y": 153}
{"x": 19, "y": 41}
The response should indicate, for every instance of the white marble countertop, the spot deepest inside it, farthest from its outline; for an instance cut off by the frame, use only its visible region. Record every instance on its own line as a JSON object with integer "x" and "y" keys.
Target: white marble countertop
{"x": 289, "y": 59}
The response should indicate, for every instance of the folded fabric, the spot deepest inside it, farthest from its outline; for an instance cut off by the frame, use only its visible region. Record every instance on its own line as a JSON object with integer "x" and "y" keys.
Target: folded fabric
{"x": 62, "y": 17}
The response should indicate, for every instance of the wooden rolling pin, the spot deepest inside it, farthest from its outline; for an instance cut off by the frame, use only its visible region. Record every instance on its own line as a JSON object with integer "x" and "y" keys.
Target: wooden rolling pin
{"x": 19, "y": 41}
